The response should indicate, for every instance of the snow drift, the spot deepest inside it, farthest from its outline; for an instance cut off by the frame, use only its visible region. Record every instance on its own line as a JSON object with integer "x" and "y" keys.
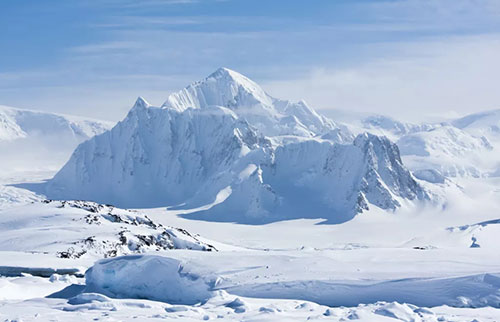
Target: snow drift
{"x": 177, "y": 281}
{"x": 149, "y": 277}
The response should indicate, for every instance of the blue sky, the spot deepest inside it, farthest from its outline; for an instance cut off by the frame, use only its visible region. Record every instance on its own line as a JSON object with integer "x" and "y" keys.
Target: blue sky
{"x": 94, "y": 57}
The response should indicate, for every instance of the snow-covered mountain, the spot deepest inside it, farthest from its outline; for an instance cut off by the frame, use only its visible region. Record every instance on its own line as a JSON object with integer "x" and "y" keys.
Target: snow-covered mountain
{"x": 463, "y": 147}
{"x": 390, "y": 125}
{"x": 271, "y": 116}
{"x": 41, "y": 141}
{"x": 231, "y": 152}
{"x": 20, "y": 123}
{"x": 447, "y": 149}
{"x": 446, "y": 140}
{"x": 485, "y": 121}
{"x": 484, "y": 124}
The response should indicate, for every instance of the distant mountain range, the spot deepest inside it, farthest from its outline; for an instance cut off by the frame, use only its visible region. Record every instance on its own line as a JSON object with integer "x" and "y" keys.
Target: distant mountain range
{"x": 34, "y": 141}
{"x": 20, "y": 124}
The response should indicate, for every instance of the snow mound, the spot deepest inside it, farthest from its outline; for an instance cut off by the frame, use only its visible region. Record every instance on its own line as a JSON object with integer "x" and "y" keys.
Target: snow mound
{"x": 149, "y": 277}
{"x": 86, "y": 298}
{"x": 400, "y": 312}
{"x": 74, "y": 229}
{"x": 218, "y": 147}
{"x": 478, "y": 235}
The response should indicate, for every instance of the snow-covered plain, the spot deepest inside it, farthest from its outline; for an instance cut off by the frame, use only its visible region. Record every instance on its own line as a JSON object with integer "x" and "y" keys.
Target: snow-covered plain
{"x": 432, "y": 260}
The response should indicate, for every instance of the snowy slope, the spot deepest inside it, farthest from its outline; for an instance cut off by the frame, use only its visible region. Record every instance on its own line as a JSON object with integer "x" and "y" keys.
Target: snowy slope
{"x": 485, "y": 124}
{"x": 446, "y": 140}
{"x": 78, "y": 229}
{"x": 219, "y": 146}
{"x": 488, "y": 121}
{"x": 9, "y": 129}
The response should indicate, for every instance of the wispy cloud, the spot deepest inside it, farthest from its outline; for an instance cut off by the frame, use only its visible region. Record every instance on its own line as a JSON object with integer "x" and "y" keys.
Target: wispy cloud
{"x": 135, "y": 22}
{"x": 110, "y": 46}
{"x": 433, "y": 78}
{"x": 139, "y": 4}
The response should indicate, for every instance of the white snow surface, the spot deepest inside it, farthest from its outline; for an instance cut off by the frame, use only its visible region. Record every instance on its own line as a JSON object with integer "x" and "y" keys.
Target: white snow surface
{"x": 175, "y": 281}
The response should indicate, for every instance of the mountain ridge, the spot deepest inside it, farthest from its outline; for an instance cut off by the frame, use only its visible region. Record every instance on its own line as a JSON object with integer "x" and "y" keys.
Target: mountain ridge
{"x": 19, "y": 123}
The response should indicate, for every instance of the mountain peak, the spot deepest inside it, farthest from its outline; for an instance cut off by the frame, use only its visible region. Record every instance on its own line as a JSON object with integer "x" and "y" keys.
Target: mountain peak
{"x": 141, "y": 103}
{"x": 238, "y": 83}
{"x": 234, "y": 91}
{"x": 223, "y": 71}
{"x": 224, "y": 87}
{"x": 229, "y": 74}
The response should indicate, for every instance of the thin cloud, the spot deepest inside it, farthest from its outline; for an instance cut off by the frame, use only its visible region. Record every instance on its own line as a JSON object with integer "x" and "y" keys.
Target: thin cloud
{"x": 105, "y": 47}
{"x": 138, "y": 4}
{"x": 433, "y": 78}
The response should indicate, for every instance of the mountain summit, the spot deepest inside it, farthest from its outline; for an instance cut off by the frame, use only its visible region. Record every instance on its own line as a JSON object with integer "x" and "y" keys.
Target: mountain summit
{"x": 272, "y": 116}
{"x": 227, "y": 151}
{"x": 225, "y": 88}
